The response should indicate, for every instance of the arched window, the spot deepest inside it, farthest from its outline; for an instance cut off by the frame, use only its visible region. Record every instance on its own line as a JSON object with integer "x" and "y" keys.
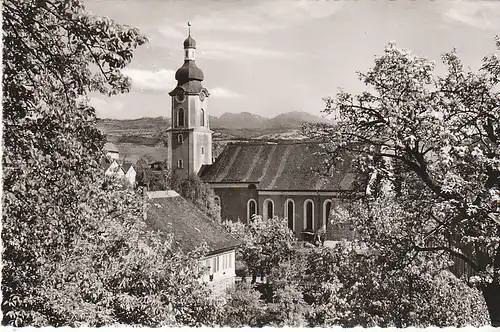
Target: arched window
{"x": 180, "y": 163}
{"x": 217, "y": 200}
{"x": 180, "y": 139}
{"x": 180, "y": 117}
{"x": 251, "y": 208}
{"x": 202, "y": 117}
{"x": 268, "y": 209}
{"x": 290, "y": 213}
{"x": 202, "y": 150}
{"x": 309, "y": 214}
{"x": 327, "y": 207}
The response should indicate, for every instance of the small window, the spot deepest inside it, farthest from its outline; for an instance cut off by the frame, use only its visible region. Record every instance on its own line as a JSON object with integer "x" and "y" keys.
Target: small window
{"x": 217, "y": 200}
{"x": 180, "y": 139}
{"x": 268, "y": 209}
{"x": 251, "y": 209}
{"x": 290, "y": 213}
{"x": 202, "y": 117}
{"x": 202, "y": 150}
{"x": 308, "y": 214}
{"x": 180, "y": 117}
{"x": 327, "y": 207}
{"x": 180, "y": 163}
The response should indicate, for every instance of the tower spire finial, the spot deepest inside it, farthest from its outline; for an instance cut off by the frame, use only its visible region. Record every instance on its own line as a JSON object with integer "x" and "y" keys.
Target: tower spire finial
{"x": 189, "y": 27}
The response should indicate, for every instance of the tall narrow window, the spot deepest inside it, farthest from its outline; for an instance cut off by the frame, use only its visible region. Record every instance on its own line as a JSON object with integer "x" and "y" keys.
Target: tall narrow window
{"x": 180, "y": 139}
{"x": 268, "y": 209}
{"x": 290, "y": 213}
{"x": 217, "y": 200}
{"x": 327, "y": 207}
{"x": 202, "y": 150}
{"x": 180, "y": 163}
{"x": 180, "y": 117}
{"x": 308, "y": 214}
{"x": 202, "y": 117}
{"x": 251, "y": 209}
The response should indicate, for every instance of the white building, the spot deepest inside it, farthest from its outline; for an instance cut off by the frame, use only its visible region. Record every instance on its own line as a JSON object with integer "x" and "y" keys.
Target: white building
{"x": 113, "y": 166}
{"x": 191, "y": 227}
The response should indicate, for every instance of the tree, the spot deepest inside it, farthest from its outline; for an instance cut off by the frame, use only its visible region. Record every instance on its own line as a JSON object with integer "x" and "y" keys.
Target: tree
{"x": 152, "y": 179}
{"x": 198, "y": 192}
{"x": 265, "y": 244}
{"x": 349, "y": 287}
{"x": 243, "y": 307}
{"x": 75, "y": 248}
{"x": 435, "y": 139}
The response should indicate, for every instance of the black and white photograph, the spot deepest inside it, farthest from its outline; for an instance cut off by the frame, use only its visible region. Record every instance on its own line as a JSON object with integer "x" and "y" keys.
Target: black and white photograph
{"x": 267, "y": 163}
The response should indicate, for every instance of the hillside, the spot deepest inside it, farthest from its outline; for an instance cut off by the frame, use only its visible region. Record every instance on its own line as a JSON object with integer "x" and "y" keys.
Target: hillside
{"x": 245, "y": 120}
{"x": 147, "y": 136}
{"x": 240, "y": 125}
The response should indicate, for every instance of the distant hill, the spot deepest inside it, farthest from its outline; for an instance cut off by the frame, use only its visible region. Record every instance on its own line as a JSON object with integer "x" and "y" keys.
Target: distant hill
{"x": 242, "y": 120}
{"x": 293, "y": 120}
{"x": 151, "y": 131}
{"x": 147, "y": 136}
{"x": 146, "y": 127}
{"x": 245, "y": 120}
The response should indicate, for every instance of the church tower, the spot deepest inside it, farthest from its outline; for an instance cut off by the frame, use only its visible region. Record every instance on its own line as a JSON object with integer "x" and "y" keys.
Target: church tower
{"x": 190, "y": 137}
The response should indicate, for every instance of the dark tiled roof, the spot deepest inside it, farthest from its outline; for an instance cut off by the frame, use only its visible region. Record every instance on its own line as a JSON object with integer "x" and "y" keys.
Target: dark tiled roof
{"x": 188, "y": 72}
{"x": 282, "y": 166}
{"x": 189, "y": 225}
{"x": 126, "y": 167}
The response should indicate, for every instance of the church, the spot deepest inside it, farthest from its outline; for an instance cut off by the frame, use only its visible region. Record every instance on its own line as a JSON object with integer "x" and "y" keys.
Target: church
{"x": 283, "y": 179}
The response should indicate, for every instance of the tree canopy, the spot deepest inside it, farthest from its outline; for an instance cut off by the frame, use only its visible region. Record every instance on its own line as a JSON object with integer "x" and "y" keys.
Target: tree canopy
{"x": 76, "y": 250}
{"x": 434, "y": 141}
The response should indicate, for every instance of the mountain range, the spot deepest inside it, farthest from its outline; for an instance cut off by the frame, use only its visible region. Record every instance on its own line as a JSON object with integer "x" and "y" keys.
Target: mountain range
{"x": 244, "y": 120}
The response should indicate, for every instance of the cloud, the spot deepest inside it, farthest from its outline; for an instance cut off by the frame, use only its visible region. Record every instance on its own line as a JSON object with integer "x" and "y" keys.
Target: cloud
{"x": 170, "y": 32}
{"x": 265, "y": 16}
{"x": 223, "y": 50}
{"x": 147, "y": 80}
{"x": 106, "y": 108}
{"x": 223, "y": 93}
{"x": 483, "y": 15}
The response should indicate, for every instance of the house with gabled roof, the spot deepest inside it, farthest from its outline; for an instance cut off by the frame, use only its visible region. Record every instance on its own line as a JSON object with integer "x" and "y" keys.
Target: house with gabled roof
{"x": 190, "y": 227}
{"x": 129, "y": 173}
{"x": 112, "y": 166}
{"x": 269, "y": 179}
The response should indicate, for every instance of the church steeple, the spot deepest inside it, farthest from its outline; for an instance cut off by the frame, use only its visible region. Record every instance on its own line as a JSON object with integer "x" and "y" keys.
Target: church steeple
{"x": 190, "y": 138}
{"x": 189, "y": 46}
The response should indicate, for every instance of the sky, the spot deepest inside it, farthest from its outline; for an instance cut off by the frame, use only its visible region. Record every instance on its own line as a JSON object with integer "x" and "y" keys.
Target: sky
{"x": 270, "y": 57}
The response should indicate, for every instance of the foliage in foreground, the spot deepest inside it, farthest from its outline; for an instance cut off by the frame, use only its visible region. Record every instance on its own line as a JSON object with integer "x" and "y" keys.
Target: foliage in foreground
{"x": 435, "y": 140}
{"x": 347, "y": 285}
{"x": 75, "y": 248}
{"x": 349, "y": 289}
{"x": 265, "y": 244}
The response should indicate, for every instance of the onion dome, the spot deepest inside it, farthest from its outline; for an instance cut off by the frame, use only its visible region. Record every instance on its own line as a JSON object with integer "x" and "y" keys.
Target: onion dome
{"x": 188, "y": 72}
{"x": 189, "y": 42}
